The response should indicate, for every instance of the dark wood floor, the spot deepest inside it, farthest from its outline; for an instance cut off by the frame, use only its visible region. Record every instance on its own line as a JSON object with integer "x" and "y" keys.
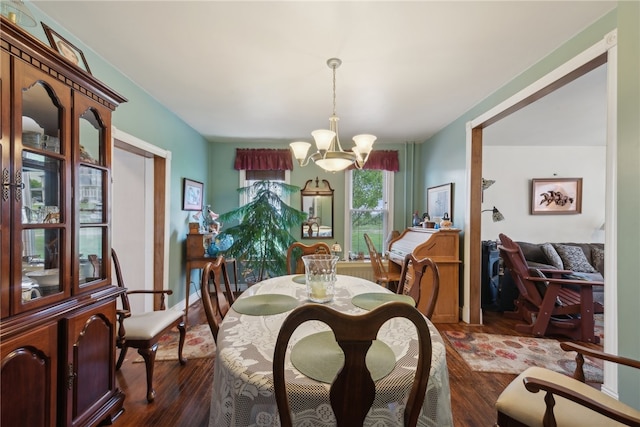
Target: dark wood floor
{"x": 184, "y": 392}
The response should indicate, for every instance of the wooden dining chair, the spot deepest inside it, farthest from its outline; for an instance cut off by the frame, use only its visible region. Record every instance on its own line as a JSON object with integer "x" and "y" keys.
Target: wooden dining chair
{"x": 353, "y": 390}
{"x": 217, "y": 307}
{"x": 297, "y": 250}
{"x": 382, "y": 276}
{"x": 411, "y": 282}
{"x": 143, "y": 330}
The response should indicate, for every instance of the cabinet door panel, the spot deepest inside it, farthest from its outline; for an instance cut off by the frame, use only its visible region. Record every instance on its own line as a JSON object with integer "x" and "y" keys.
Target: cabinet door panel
{"x": 41, "y": 239}
{"x": 28, "y": 378}
{"x": 91, "y": 355}
{"x": 92, "y": 148}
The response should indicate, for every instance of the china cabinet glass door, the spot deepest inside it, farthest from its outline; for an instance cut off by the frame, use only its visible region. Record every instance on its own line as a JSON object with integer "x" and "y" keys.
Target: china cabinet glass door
{"x": 92, "y": 177}
{"x": 40, "y": 202}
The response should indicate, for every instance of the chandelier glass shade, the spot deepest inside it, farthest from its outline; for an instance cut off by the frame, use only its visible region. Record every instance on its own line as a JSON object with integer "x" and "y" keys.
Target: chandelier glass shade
{"x": 329, "y": 155}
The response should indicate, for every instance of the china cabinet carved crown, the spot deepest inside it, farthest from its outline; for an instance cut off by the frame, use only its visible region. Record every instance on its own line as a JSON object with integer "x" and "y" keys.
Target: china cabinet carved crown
{"x": 57, "y": 300}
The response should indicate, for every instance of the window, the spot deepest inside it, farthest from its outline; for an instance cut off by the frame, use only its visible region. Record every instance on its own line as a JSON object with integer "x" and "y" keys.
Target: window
{"x": 248, "y": 177}
{"x": 370, "y": 209}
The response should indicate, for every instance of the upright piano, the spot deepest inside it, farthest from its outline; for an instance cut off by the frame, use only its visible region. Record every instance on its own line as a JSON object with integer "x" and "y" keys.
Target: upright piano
{"x": 442, "y": 246}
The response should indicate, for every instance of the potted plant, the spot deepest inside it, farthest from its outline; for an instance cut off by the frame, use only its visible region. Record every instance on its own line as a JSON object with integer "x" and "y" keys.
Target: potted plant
{"x": 261, "y": 238}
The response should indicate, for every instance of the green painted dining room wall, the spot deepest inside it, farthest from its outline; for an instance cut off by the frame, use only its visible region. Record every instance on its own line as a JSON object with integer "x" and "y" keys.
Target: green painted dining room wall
{"x": 443, "y": 159}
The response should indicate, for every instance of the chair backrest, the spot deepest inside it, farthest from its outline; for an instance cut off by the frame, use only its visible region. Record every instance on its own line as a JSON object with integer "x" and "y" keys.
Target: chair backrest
{"x": 216, "y": 308}
{"x": 412, "y": 286}
{"x": 514, "y": 260}
{"x": 295, "y": 265}
{"x": 353, "y": 391}
{"x": 126, "y": 307}
{"x": 376, "y": 260}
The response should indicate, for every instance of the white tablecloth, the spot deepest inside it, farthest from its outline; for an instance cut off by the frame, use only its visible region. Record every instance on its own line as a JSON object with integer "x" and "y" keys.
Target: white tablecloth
{"x": 243, "y": 377}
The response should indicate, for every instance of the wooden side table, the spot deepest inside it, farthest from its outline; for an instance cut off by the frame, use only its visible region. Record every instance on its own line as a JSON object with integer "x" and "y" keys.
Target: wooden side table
{"x": 197, "y": 258}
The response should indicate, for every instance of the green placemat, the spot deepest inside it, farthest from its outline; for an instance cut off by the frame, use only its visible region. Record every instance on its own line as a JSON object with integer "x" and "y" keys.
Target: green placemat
{"x": 264, "y": 305}
{"x": 301, "y": 278}
{"x": 371, "y": 300}
{"x": 319, "y": 357}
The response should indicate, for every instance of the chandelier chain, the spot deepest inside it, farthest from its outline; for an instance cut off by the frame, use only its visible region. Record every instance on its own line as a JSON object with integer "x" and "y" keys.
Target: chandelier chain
{"x": 334, "y": 89}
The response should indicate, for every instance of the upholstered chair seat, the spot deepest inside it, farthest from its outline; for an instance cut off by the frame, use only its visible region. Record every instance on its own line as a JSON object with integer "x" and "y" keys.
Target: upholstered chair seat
{"x": 528, "y": 408}
{"x": 145, "y": 326}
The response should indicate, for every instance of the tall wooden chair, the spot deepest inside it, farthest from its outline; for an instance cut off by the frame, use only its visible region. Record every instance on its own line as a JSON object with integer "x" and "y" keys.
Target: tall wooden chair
{"x": 539, "y": 396}
{"x": 216, "y": 308}
{"x": 143, "y": 330}
{"x": 381, "y": 275}
{"x": 353, "y": 391}
{"x": 297, "y": 250}
{"x": 550, "y": 305}
{"x": 411, "y": 282}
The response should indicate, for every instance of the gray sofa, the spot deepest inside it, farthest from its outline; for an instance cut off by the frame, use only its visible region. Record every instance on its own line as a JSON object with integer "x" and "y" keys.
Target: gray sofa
{"x": 593, "y": 255}
{"x": 587, "y": 263}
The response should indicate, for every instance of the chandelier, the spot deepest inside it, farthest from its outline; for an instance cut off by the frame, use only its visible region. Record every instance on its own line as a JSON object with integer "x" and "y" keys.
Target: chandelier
{"x": 329, "y": 155}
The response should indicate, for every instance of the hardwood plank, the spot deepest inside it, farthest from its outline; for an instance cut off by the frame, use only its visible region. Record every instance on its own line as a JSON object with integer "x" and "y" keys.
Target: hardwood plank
{"x": 183, "y": 393}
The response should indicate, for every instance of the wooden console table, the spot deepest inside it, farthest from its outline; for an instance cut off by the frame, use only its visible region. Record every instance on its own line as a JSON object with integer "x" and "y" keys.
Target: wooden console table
{"x": 197, "y": 258}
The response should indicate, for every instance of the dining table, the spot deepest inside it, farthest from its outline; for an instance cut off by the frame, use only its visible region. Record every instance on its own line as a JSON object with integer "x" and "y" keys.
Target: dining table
{"x": 243, "y": 391}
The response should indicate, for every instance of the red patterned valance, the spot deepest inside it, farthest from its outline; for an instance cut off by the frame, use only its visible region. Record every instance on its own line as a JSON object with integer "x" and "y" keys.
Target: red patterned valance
{"x": 386, "y": 160}
{"x": 263, "y": 159}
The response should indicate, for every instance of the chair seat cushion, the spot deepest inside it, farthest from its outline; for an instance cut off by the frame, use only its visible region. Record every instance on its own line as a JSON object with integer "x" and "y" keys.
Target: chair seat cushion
{"x": 147, "y": 325}
{"x": 528, "y": 408}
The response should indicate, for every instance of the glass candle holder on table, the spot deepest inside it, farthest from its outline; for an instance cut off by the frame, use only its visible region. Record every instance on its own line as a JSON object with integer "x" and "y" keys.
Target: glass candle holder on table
{"x": 320, "y": 275}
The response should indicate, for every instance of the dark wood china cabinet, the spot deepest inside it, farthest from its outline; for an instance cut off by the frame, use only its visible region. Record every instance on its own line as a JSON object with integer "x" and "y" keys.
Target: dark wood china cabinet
{"x": 57, "y": 300}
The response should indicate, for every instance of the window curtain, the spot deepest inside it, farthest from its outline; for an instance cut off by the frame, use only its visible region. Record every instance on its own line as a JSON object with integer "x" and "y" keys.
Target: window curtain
{"x": 386, "y": 160}
{"x": 263, "y": 159}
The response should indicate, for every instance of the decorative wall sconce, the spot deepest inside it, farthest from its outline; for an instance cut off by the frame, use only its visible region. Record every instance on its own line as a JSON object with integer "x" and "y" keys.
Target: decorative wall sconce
{"x": 496, "y": 215}
{"x": 486, "y": 183}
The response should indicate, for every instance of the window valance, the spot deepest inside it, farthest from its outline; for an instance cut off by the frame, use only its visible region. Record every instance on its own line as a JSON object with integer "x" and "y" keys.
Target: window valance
{"x": 386, "y": 160}
{"x": 263, "y": 159}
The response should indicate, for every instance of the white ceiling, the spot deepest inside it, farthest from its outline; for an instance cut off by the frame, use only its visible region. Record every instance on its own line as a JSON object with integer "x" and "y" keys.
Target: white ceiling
{"x": 256, "y": 71}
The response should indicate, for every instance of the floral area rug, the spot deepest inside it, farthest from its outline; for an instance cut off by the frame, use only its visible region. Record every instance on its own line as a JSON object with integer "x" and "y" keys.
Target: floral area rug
{"x": 197, "y": 344}
{"x": 513, "y": 354}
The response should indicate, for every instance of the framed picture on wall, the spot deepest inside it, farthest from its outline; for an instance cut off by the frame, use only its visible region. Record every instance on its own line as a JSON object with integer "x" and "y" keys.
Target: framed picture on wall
{"x": 556, "y": 196}
{"x": 192, "y": 195}
{"x": 439, "y": 201}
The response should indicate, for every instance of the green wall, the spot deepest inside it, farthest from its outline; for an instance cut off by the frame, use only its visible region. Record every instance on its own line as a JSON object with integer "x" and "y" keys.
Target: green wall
{"x": 443, "y": 158}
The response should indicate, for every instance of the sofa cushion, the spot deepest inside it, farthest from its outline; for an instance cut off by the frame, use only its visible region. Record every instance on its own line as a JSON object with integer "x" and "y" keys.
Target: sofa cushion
{"x": 573, "y": 258}
{"x": 552, "y": 255}
{"x": 597, "y": 259}
{"x": 532, "y": 252}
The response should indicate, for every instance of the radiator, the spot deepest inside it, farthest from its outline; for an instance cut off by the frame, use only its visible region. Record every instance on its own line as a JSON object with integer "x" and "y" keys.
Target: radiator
{"x": 361, "y": 269}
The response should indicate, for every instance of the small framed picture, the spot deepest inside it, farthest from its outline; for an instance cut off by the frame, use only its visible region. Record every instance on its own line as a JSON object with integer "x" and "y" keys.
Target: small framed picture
{"x": 556, "y": 196}
{"x": 192, "y": 195}
{"x": 66, "y": 49}
{"x": 439, "y": 201}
